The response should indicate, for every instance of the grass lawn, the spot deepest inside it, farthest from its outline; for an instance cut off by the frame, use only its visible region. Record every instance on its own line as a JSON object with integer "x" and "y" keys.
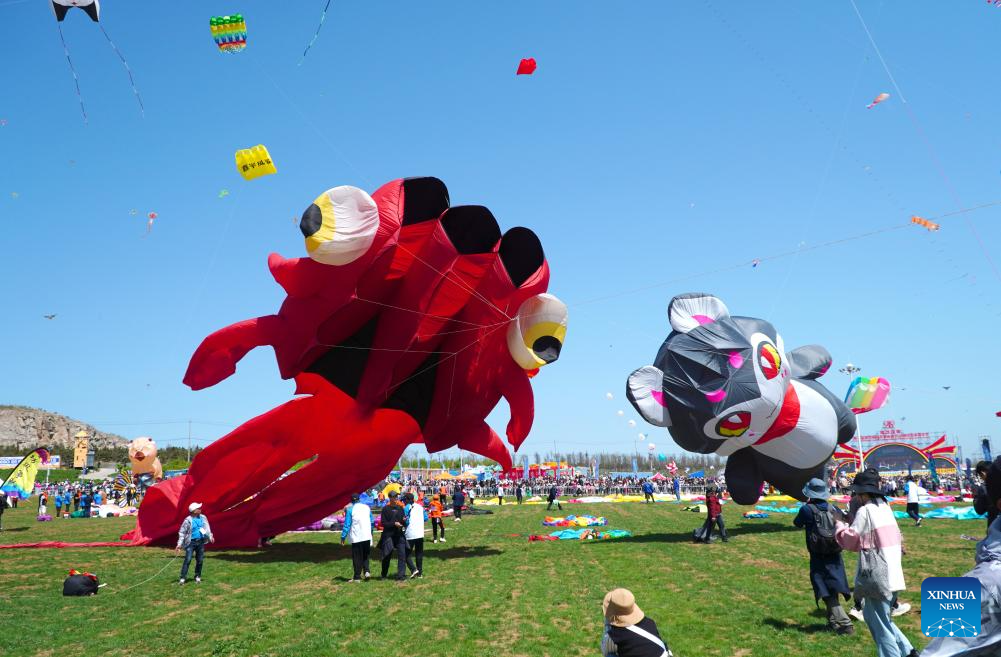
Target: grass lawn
{"x": 488, "y": 591}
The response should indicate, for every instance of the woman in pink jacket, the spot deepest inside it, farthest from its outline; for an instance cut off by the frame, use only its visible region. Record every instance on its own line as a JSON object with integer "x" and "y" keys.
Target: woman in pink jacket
{"x": 875, "y": 536}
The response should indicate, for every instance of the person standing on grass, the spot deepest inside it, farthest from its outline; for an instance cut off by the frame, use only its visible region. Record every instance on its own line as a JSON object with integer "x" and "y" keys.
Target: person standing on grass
{"x": 393, "y": 524}
{"x": 519, "y": 493}
{"x": 435, "y": 511}
{"x": 57, "y": 499}
{"x": 647, "y": 492}
{"x": 500, "y": 494}
{"x": 3, "y": 507}
{"x": 628, "y": 632}
{"x": 43, "y": 501}
{"x": 875, "y": 536}
{"x": 914, "y": 493}
{"x": 76, "y": 499}
{"x": 827, "y": 567}
{"x": 715, "y": 512}
{"x": 414, "y": 535}
{"x": 193, "y": 535}
{"x": 988, "y": 571}
{"x": 677, "y": 488}
{"x": 554, "y": 496}
{"x": 358, "y": 528}
{"x": 981, "y": 500}
{"x": 458, "y": 499}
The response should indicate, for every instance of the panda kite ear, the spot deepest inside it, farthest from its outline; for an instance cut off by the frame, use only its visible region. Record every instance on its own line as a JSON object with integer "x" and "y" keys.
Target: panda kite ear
{"x": 645, "y": 391}
{"x": 690, "y": 311}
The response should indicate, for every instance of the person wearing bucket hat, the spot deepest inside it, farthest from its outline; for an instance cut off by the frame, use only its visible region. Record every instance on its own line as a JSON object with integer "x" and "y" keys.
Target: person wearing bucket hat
{"x": 988, "y": 571}
{"x": 628, "y": 631}
{"x": 874, "y": 534}
{"x": 192, "y": 536}
{"x": 827, "y": 567}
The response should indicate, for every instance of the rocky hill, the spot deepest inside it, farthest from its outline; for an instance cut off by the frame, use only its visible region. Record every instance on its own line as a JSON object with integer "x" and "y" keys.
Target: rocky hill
{"x": 23, "y": 428}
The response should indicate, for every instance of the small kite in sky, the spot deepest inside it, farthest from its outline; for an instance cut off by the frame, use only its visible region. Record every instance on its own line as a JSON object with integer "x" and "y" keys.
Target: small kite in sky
{"x": 150, "y": 218}
{"x": 254, "y": 162}
{"x": 526, "y": 67}
{"x": 229, "y": 32}
{"x": 879, "y": 99}
{"x": 223, "y": 193}
{"x": 14, "y": 194}
{"x": 133, "y": 212}
{"x": 946, "y": 387}
{"x": 755, "y": 263}
{"x": 52, "y": 316}
{"x": 930, "y": 225}
{"x": 3, "y": 122}
{"x": 323, "y": 17}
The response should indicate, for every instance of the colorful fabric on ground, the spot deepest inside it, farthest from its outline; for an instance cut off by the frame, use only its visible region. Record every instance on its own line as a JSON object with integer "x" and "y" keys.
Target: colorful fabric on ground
{"x": 575, "y": 521}
{"x": 696, "y": 508}
{"x": 755, "y": 514}
{"x": 777, "y": 509}
{"x": 950, "y": 512}
{"x": 584, "y": 535}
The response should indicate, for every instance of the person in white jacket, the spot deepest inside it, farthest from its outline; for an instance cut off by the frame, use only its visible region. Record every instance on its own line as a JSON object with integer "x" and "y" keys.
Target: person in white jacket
{"x": 414, "y": 534}
{"x": 194, "y": 533}
{"x": 358, "y": 528}
{"x": 914, "y": 493}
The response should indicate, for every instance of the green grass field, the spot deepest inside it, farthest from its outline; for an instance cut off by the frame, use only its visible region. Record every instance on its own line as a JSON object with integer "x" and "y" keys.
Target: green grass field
{"x": 488, "y": 591}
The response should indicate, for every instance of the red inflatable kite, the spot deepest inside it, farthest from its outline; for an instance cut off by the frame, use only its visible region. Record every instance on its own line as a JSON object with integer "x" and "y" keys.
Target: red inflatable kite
{"x": 407, "y": 324}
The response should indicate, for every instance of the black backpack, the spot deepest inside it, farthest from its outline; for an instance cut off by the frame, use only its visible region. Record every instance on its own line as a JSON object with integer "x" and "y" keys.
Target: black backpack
{"x": 820, "y": 539}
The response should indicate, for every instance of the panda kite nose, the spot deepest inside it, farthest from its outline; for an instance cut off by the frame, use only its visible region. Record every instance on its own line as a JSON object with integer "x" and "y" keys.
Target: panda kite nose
{"x": 547, "y": 348}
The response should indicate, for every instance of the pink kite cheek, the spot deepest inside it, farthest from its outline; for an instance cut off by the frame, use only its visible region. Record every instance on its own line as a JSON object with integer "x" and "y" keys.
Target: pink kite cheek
{"x": 702, "y": 319}
{"x": 658, "y": 397}
{"x": 736, "y": 360}
{"x": 716, "y": 396}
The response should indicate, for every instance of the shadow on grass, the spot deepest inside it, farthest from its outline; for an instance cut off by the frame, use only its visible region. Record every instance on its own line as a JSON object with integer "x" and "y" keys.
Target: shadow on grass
{"x": 320, "y": 552}
{"x": 764, "y": 528}
{"x": 13, "y": 529}
{"x": 779, "y": 624}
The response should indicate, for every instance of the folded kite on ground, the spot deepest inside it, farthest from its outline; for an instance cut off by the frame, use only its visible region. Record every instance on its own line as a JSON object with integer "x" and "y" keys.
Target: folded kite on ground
{"x": 755, "y": 514}
{"x": 584, "y": 535}
{"x": 575, "y": 521}
{"x": 777, "y": 509}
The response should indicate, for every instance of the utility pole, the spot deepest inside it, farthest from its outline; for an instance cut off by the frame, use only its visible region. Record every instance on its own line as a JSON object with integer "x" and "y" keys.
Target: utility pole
{"x": 851, "y": 371}
{"x": 189, "y": 443}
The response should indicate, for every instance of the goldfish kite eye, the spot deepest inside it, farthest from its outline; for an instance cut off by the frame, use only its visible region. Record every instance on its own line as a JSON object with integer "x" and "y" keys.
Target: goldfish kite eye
{"x": 535, "y": 336}
{"x": 769, "y": 360}
{"x": 340, "y": 225}
{"x": 734, "y": 425}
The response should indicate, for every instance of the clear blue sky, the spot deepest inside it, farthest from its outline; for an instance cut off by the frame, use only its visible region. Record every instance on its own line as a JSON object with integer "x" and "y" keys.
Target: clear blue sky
{"x": 657, "y": 141}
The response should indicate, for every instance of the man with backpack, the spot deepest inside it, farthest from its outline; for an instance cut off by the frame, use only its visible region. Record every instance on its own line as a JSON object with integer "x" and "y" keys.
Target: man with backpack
{"x": 827, "y": 567}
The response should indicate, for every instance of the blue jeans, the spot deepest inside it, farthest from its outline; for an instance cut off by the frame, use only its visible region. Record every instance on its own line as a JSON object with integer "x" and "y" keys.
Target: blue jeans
{"x": 197, "y": 548}
{"x": 890, "y": 641}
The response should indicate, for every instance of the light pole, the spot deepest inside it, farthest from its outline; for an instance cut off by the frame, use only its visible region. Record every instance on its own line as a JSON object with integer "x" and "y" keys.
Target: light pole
{"x": 851, "y": 371}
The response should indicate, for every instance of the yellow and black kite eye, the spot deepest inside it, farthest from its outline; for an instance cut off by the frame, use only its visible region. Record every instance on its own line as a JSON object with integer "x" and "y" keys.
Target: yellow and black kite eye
{"x": 769, "y": 360}
{"x": 340, "y": 225}
{"x": 535, "y": 336}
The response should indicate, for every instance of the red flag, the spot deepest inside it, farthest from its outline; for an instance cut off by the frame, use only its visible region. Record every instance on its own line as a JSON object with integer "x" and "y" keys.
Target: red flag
{"x": 527, "y": 66}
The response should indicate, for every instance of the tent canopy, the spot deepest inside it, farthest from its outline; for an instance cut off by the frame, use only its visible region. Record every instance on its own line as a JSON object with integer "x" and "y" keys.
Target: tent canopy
{"x": 658, "y": 477}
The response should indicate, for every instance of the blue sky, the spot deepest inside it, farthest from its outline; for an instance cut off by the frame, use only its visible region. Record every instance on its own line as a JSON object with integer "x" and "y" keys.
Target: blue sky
{"x": 657, "y": 143}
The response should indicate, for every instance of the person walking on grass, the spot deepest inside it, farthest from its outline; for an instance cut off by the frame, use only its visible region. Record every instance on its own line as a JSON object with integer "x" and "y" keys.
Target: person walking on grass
{"x": 827, "y": 567}
{"x": 195, "y": 532}
{"x": 914, "y": 493}
{"x": 414, "y": 535}
{"x": 500, "y": 494}
{"x": 436, "y": 510}
{"x": 715, "y": 512}
{"x": 875, "y": 536}
{"x": 554, "y": 496}
{"x": 358, "y": 528}
{"x": 647, "y": 492}
{"x": 628, "y": 631}
{"x": 57, "y": 499}
{"x": 981, "y": 499}
{"x": 458, "y": 499}
{"x": 988, "y": 571}
{"x": 519, "y": 493}
{"x": 393, "y": 524}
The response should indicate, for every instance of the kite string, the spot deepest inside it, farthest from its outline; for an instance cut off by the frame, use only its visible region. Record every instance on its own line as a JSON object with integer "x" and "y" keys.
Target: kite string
{"x": 323, "y": 17}
{"x": 76, "y": 79}
{"x": 172, "y": 560}
{"x": 927, "y": 143}
{"x": 457, "y": 281}
{"x": 142, "y": 110}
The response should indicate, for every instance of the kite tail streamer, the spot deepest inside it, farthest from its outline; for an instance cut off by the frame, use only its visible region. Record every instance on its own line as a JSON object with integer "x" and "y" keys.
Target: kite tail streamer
{"x": 76, "y": 80}
{"x": 319, "y": 27}
{"x": 142, "y": 110}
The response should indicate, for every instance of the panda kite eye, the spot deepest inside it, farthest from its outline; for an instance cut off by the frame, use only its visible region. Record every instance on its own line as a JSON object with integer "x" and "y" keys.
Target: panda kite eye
{"x": 769, "y": 360}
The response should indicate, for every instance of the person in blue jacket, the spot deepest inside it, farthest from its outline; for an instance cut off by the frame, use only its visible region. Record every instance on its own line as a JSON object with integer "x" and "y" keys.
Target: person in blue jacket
{"x": 458, "y": 499}
{"x": 647, "y": 491}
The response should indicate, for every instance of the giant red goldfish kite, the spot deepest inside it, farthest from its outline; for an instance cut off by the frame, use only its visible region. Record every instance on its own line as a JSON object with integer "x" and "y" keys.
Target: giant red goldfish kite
{"x": 407, "y": 323}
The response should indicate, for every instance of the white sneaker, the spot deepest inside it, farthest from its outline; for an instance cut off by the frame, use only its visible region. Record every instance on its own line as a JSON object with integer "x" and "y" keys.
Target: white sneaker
{"x": 443, "y": 540}
{"x": 901, "y": 609}
{"x": 198, "y": 580}
{"x": 367, "y": 575}
{"x": 436, "y": 540}
{"x": 415, "y": 574}
{"x": 856, "y": 614}
{"x": 180, "y": 582}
